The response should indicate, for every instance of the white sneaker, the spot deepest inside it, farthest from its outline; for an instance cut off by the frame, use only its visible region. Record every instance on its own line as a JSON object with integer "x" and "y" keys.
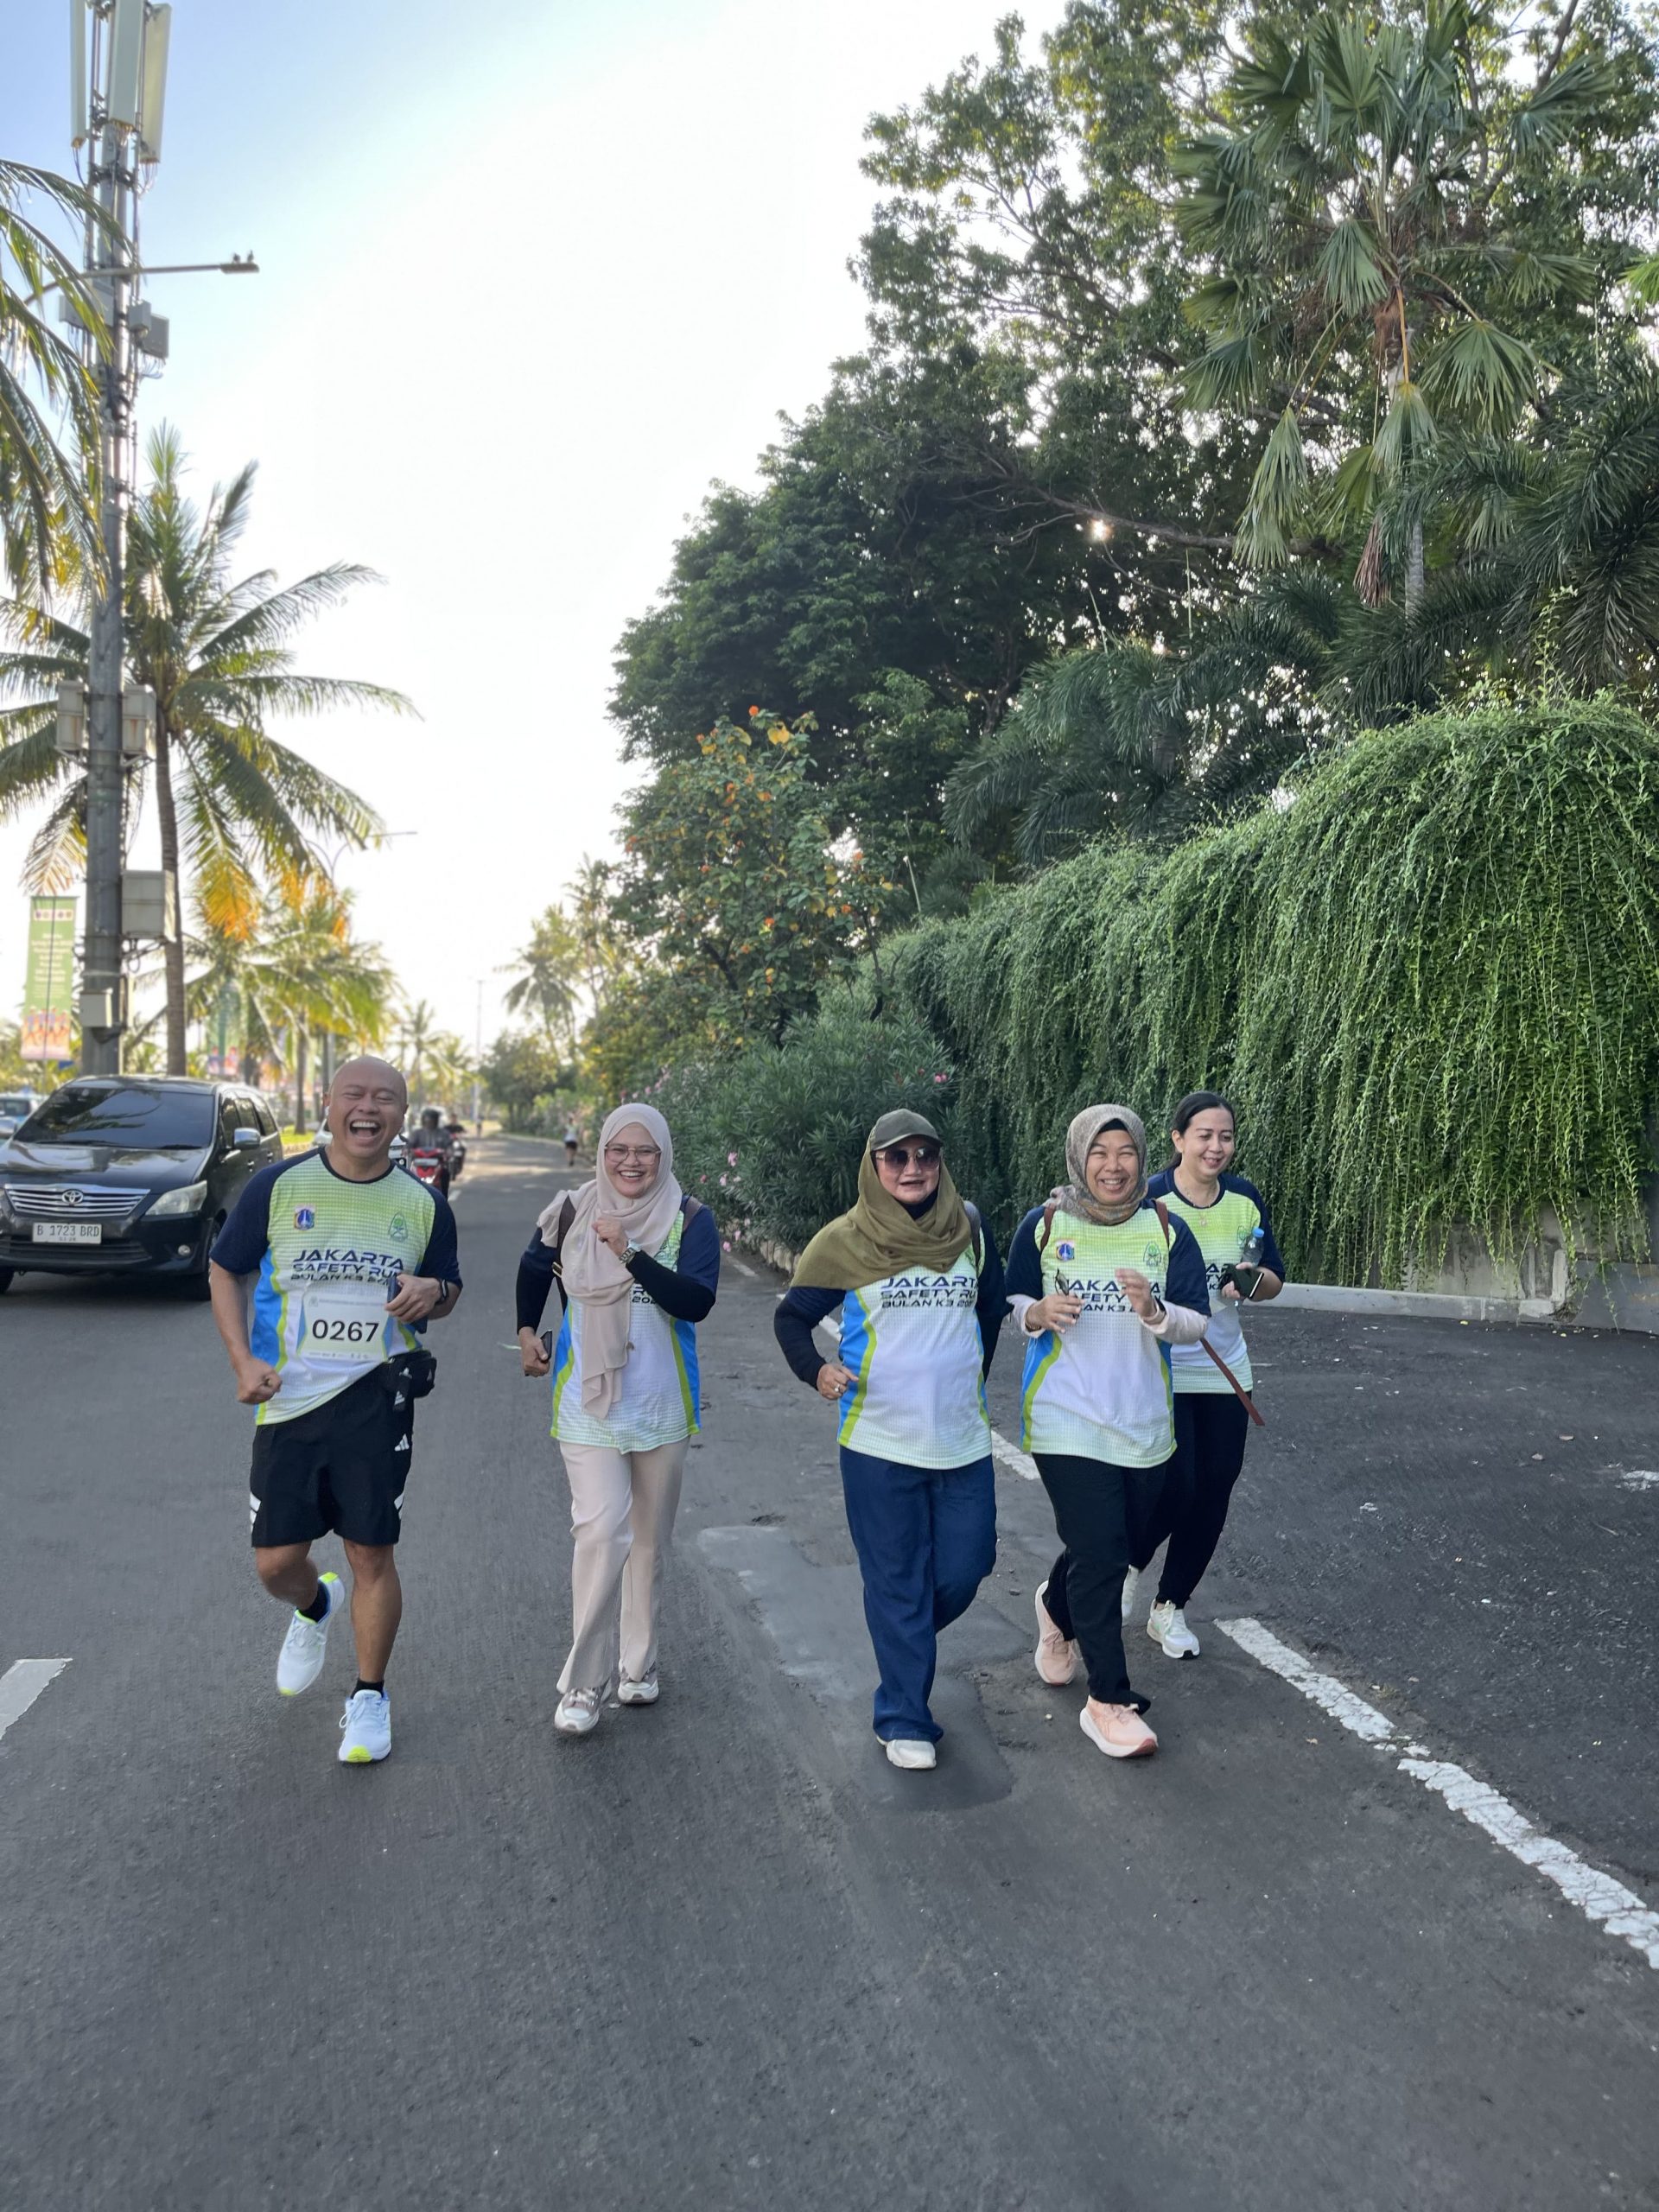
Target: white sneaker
{"x": 645, "y": 1691}
{"x": 1131, "y": 1584}
{"x": 300, "y": 1660}
{"x": 1167, "y": 1626}
{"x": 578, "y": 1713}
{"x": 914, "y": 1753}
{"x": 366, "y": 1723}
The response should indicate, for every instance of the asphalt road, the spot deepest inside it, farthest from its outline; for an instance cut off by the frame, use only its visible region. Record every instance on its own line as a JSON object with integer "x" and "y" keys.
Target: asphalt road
{"x": 720, "y": 1954}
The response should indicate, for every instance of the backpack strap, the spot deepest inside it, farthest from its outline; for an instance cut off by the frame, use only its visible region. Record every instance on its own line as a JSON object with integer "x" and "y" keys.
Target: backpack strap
{"x": 690, "y": 1208}
{"x": 1047, "y": 1229}
{"x": 561, "y": 1230}
{"x": 978, "y": 1227}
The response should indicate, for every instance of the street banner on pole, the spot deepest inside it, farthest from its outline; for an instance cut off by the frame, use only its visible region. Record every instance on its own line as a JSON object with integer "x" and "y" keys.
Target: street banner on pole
{"x": 49, "y": 981}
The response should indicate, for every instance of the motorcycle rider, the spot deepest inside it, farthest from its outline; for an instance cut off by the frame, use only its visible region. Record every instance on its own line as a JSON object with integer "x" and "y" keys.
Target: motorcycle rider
{"x": 432, "y": 1136}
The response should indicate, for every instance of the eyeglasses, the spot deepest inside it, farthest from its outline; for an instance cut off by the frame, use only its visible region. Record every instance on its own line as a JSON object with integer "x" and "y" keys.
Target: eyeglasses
{"x": 644, "y": 1153}
{"x": 900, "y": 1155}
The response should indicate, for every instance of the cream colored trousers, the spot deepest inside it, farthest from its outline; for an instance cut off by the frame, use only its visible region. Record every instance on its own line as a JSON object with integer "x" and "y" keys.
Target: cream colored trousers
{"x": 622, "y": 1510}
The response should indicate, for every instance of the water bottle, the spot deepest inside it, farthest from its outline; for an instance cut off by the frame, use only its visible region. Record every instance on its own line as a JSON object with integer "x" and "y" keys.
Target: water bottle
{"x": 1247, "y": 1272}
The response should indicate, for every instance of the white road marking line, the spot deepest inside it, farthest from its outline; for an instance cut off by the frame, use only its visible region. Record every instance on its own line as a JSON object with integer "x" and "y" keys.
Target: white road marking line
{"x": 1016, "y": 1461}
{"x": 21, "y": 1683}
{"x": 1640, "y": 1478}
{"x": 1598, "y": 1895}
{"x": 744, "y": 1268}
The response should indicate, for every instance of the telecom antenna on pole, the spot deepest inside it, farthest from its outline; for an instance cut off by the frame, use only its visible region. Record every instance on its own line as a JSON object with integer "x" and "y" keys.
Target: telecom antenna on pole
{"x": 118, "y": 59}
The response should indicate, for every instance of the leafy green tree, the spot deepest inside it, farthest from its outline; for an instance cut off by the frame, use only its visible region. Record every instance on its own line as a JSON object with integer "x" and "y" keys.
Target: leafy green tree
{"x": 524, "y": 1077}
{"x": 234, "y": 804}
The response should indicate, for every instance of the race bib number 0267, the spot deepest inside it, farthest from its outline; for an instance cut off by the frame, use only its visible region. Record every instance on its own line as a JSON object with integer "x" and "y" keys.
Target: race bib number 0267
{"x": 345, "y": 1321}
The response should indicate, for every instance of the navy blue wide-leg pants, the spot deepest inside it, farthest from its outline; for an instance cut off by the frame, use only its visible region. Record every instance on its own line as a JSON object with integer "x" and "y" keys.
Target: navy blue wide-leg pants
{"x": 925, "y": 1539}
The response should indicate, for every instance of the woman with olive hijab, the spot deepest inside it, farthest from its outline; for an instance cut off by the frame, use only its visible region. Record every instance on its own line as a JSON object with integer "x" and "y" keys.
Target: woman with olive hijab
{"x": 1102, "y": 1282}
{"x": 920, "y": 1285}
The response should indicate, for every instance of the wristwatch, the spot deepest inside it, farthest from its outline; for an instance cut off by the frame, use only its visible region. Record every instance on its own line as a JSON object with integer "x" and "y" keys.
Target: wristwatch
{"x": 630, "y": 1253}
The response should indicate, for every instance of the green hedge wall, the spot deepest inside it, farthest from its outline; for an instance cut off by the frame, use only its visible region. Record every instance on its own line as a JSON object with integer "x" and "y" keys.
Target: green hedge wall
{"x": 1431, "y": 980}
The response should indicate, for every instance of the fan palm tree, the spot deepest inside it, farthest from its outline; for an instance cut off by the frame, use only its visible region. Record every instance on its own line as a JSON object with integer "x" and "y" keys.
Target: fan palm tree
{"x": 1366, "y": 259}
{"x": 232, "y": 801}
{"x": 48, "y": 495}
{"x": 547, "y": 973}
{"x": 415, "y": 1032}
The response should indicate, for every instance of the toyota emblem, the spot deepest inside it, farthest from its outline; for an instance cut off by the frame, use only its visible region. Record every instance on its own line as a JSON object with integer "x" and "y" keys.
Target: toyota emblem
{"x": 72, "y": 1196}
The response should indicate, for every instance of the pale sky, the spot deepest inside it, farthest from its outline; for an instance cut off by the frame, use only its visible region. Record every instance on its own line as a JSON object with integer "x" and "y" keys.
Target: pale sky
{"x": 535, "y": 273}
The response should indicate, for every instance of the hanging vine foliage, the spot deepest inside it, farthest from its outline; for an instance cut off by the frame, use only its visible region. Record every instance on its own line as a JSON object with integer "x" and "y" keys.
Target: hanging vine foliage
{"x": 1431, "y": 980}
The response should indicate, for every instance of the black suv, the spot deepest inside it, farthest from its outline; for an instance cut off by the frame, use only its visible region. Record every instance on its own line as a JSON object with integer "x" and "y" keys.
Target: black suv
{"x": 129, "y": 1174}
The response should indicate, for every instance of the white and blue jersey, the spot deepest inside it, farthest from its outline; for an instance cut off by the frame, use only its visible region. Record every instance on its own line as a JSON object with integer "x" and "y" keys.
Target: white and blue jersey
{"x": 1221, "y": 1229}
{"x": 1101, "y": 1389}
{"x": 328, "y": 1252}
{"x": 659, "y": 1398}
{"x": 919, "y": 1344}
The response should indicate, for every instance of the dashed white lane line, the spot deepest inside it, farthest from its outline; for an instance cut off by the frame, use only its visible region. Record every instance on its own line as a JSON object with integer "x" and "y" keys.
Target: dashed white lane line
{"x": 743, "y": 1268}
{"x": 21, "y": 1683}
{"x": 1598, "y": 1895}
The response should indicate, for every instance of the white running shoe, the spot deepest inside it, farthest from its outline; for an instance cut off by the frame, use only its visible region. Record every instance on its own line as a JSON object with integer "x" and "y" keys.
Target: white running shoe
{"x": 1167, "y": 1626}
{"x": 578, "y": 1713}
{"x": 914, "y": 1753}
{"x": 300, "y": 1660}
{"x": 1131, "y": 1584}
{"x": 366, "y": 1723}
{"x": 645, "y": 1691}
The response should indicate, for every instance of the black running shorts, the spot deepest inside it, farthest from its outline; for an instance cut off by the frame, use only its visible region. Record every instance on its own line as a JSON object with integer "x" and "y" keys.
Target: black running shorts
{"x": 341, "y": 1466}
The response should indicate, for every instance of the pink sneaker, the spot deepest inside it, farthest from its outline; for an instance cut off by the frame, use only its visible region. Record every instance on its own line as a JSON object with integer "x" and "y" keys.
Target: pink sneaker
{"x": 1121, "y": 1735}
{"x": 1057, "y": 1660}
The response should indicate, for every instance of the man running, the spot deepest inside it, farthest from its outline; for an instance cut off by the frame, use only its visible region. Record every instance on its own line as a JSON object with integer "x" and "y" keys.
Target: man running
{"x": 352, "y": 1256}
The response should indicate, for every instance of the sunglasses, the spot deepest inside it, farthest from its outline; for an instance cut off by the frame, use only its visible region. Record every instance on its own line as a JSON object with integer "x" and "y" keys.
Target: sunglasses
{"x": 900, "y": 1155}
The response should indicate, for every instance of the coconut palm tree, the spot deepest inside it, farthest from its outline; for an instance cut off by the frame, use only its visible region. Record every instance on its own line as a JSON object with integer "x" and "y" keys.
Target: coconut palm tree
{"x": 300, "y": 970}
{"x": 48, "y": 495}
{"x": 232, "y": 803}
{"x": 547, "y": 973}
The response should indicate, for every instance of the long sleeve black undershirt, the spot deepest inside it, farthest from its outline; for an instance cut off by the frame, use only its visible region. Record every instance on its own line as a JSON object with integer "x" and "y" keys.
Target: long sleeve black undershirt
{"x": 799, "y": 1312}
{"x": 685, "y": 1293}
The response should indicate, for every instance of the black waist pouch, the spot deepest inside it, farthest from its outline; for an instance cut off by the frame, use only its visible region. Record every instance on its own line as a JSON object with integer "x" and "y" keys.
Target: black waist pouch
{"x": 415, "y": 1372}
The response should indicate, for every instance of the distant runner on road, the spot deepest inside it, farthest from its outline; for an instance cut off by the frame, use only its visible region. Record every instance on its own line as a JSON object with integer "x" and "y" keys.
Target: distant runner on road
{"x": 348, "y": 1258}
{"x": 572, "y": 1138}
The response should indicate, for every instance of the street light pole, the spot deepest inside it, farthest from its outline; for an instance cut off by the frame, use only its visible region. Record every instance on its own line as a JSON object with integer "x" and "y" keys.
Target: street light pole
{"x": 104, "y": 1015}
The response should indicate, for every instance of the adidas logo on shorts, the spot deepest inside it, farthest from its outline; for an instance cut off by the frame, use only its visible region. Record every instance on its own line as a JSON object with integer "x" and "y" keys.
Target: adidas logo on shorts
{"x": 402, "y": 1444}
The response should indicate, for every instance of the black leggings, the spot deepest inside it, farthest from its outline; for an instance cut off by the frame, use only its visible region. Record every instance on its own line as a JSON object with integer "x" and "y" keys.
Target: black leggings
{"x": 1103, "y": 1514}
{"x": 1210, "y": 1437}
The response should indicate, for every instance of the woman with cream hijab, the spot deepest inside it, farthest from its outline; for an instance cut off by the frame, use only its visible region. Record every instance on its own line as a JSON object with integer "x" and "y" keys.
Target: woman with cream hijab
{"x": 637, "y": 1265}
{"x": 1103, "y": 1280}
